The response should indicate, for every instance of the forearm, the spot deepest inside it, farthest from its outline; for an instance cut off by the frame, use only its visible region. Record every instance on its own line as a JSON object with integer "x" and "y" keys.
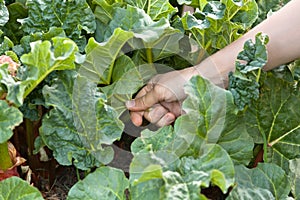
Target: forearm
{"x": 283, "y": 29}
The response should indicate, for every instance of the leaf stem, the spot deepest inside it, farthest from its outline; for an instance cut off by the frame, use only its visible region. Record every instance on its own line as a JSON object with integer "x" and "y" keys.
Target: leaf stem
{"x": 77, "y": 174}
{"x": 149, "y": 55}
{"x": 5, "y": 161}
{"x": 284, "y": 135}
{"x": 39, "y": 80}
{"x": 148, "y": 7}
{"x": 265, "y": 147}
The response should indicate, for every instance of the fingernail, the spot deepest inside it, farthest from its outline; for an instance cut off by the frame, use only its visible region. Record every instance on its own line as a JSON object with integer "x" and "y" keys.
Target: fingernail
{"x": 130, "y": 104}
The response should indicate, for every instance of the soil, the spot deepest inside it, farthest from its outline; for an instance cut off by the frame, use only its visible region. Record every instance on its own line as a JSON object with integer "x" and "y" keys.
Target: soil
{"x": 58, "y": 190}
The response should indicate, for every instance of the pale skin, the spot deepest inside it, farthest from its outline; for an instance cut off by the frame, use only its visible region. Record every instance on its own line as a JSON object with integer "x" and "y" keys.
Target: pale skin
{"x": 160, "y": 100}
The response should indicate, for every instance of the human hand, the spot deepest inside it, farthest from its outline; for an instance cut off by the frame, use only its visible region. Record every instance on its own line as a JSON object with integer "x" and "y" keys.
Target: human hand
{"x": 160, "y": 100}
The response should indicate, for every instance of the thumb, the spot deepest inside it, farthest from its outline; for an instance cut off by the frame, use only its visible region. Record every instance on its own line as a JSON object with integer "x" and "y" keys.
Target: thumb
{"x": 144, "y": 102}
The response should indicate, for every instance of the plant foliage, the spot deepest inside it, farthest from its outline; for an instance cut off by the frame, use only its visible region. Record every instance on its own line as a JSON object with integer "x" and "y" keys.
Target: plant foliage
{"x": 80, "y": 61}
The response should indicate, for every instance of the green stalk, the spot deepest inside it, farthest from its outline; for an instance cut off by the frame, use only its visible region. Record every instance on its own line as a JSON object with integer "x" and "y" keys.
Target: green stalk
{"x": 149, "y": 55}
{"x": 5, "y": 161}
{"x": 265, "y": 147}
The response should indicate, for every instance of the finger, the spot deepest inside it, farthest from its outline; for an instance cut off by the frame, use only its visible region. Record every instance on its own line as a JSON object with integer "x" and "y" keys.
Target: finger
{"x": 167, "y": 119}
{"x": 143, "y": 102}
{"x": 156, "y": 113}
{"x": 137, "y": 118}
{"x": 174, "y": 107}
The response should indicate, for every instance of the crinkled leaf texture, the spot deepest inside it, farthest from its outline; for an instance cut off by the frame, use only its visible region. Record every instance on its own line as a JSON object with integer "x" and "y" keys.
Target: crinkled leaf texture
{"x": 266, "y": 181}
{"x": 105, "y": 183}
{"x": 18, "y": 189}
{"x": 10, "y": 117}
{"x": 162, "y": 175}
{"x": 244, "y": 82}
{"x": 72, "y": 16}
{"x": 274, "y": 119}
{"x": 156, "y": 9}
{"x": 218, "y": 23}
{"x": 211, "y": 117}
{"x": 43, "y": 59}
{"x": 80, "y": 123}
{"x": 4, "y": 15}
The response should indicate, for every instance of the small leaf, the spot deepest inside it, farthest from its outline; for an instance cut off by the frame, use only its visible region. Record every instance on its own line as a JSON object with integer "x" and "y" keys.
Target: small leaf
{"x": 10, "y": 117}
{"x": 219, "y": 170}
{"x": 18, "y": 189}
{"x": 244, "y": 83}
{"x": 105, "y": 183}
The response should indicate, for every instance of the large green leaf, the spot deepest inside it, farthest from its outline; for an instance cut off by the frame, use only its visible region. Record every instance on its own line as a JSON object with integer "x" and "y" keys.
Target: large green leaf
{"x": 105, "y": 183}
{"x": 156, "y": 9}
{"x": 274, "y": 119}
{"x": 15, "y": 188}
{"x": 126, "y": 80}
{"x": 72, "y": 16}
{"x": 4, "y": 13}
{"x": 80, "y": 122}
{"x": 266, "y": 181}
{"x": 131, "y": 19}
{"x": 43, "y": 59}
{"x": 97, "y": 123}
{"x": 10, "y": 117}
{"x": 213, "y": 116}
{"x": 137, "y": 21}
{"x": 294, "y": 177}
{"x": 100, "y": 57}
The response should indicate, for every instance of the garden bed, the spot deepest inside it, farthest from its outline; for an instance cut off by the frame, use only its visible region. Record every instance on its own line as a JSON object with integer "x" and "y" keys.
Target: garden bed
{"x": 68, "y": 67}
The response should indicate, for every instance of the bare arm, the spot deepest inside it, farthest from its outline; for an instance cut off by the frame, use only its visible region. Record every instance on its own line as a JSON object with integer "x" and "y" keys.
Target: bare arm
{"x": 283, "y": 29}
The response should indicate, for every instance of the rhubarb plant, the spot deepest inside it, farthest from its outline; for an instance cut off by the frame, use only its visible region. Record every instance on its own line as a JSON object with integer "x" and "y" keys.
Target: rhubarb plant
{"x": 78, "y": 62}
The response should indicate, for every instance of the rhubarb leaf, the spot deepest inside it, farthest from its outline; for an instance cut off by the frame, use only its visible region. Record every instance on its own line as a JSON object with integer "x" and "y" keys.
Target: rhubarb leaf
{"x": 10, "y": 117}
{"x": 266, "y": 181}
{"x": 43, "y": 59}
{"x": 294, "y": 177}
{"x": 4, "y": 13}
{"x": 104, "y": 183}
{"x": 155, "y": 9}
{"x": 80, "y": 123}
{"x": 99, "y": 68}
{"x": 275, "y": 117}
{"x": 72, "y": 16}
{"x": 18, "y": 189}
{"x": 214, "y": 116}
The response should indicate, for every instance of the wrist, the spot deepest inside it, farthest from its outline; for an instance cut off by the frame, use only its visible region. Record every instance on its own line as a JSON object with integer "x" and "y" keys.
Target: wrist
{"x": 214, "y": 72}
